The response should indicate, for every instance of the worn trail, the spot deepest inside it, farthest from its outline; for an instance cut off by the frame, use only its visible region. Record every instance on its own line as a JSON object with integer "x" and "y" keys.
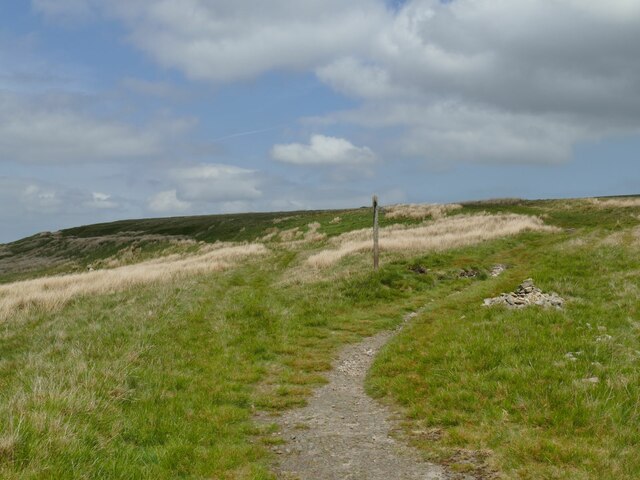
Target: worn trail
{"x": 344, "y": 434}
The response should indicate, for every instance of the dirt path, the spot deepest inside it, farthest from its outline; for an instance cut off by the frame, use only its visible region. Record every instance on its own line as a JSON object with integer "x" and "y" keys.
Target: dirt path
{"x": 344, "y": 434}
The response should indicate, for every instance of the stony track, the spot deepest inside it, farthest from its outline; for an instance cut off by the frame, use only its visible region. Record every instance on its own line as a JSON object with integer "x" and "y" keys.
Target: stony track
{"x": 344, "y": 434}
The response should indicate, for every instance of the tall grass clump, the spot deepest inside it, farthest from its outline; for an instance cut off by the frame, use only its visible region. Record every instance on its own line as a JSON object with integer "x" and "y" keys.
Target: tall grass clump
{"x": 53, "y": 292}
{"x": 419, "y": 211}
{"x": 439, "y": 235}
{"x": 630, "y": 202}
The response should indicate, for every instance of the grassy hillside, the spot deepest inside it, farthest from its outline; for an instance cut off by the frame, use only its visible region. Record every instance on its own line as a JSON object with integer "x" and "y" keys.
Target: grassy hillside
{"x": 75, "y": 249}
{"x": 163, "y": 379}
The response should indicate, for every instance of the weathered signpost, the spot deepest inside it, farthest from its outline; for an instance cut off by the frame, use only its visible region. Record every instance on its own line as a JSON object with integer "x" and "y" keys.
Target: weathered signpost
{"x": 376, "y": 252}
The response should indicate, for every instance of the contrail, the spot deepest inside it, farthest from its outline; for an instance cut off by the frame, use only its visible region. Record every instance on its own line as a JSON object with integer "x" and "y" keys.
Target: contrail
{"x": 243, "y": 134}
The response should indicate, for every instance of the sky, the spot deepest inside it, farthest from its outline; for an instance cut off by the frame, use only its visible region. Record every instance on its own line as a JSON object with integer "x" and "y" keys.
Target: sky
{"x": 151, "y": 108}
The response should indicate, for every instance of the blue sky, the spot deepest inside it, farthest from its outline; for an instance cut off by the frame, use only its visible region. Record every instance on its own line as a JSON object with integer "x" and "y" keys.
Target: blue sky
{"x": 136, "y": 108}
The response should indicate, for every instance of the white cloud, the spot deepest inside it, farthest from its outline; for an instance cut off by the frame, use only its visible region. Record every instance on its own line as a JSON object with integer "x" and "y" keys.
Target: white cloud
{"x": 467, "y": 80}
{"x": 167, "y": 202}
{"x": 353, "y": 77}
{"x": 38, "y": 197}
{"x": 44, "y": 129}
{"x": 217, "y": 188}
{"x": 101, "y": 201}
{"x": 323, "y": 150}
{"x": 216, "y": 183}
{"x": 34, "y": 197}
{"x": 456, "y": 131}
{"x": 224, "y": 41}
{"x": 29, "y": 205}
{"x": 497, "y": 81}
{"x": 207, "y": 188}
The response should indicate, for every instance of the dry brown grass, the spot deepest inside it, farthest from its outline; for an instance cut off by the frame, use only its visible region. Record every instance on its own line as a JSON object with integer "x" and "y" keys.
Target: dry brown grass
{"x": 419, "y": 211}
{"x": 616, "y": 202}
{"x": 8, "y": 444}
{"x": 54, "y": 292}
{"x": 313, "y": 235}
{"x": 290, "y": 234}
{"x": 496, "y": 201}
{"x": 283, "y": 219}
{"x": 441, "y": 234}
{"x": 54, "y": 250}
{"x": 626, "y": 238}
{"x": 295, "y": 236}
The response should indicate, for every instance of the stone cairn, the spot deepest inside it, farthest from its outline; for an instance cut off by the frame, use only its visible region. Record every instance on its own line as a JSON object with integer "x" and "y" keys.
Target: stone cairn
{"x": 497, "y": 270}
{"x": 526, "y": 294}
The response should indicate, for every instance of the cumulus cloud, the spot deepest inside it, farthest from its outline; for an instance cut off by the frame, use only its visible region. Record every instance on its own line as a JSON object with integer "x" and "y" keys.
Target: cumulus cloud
{"x": 102, "y": 201}
{"x": 354, "y": 77}
{"x": 323, "y": 150}
{"x": 470, "y": 80}
{"x": 166, "y": 202}
{"x": 46, "y": 130}
{"x": 492, "y": 80}
{"x": 217, "y": 188}
{"x": 224, "y": 41}
{"x": 32, "y": 205}
{"x": 36, "y": 196}
{"x": 494, "y": 52}
{"x": 216, "y": 183}
{"x": 456, "y": 131}
{"x": 207, "y": 188}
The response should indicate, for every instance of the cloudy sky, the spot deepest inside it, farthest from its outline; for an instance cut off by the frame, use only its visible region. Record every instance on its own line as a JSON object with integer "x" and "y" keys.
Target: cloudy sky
{"x": 138, "y": 108}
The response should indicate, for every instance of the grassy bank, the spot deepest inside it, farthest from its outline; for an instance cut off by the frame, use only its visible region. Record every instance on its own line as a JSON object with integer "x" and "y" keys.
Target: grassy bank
{"x": 163, "y": 380}
{"x": 533, "y": 393}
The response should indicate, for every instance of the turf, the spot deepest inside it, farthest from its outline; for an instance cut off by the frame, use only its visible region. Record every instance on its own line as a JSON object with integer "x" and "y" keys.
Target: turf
{"x": 76, "y": 249}
{"x": 164, "y": 381}
{"x": 503, "y": 381}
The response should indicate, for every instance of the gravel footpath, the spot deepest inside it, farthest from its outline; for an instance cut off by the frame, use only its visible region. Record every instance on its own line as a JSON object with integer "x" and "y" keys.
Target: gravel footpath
{"x": 344, "y": 434}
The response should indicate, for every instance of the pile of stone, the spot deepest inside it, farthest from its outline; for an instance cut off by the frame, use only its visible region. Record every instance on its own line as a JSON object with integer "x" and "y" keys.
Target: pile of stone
{"x": 419, "y": 269}
{"x": 468, "y": 273}
{"x": 526, "y": 294}
{"x": 497, "y": 269}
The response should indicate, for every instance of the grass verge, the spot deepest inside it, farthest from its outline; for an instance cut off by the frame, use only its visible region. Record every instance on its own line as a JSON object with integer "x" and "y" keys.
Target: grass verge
{"x": 163, "y": 381}
{"x": 532, "y": 393}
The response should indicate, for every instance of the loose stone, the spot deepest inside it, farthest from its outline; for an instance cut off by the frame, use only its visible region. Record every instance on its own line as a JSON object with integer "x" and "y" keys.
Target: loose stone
{"x": 526, "y": 294}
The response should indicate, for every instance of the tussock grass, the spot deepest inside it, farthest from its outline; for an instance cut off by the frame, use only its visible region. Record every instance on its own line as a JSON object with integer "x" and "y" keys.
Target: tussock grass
{"x": 615, "y": 202}
{"x": 313, "y": 234}
{"x": 290, "y": 234}
{"x": 629, "y": 238}
{"x": 295, "y": 236}
{"x": 548, "y": 393}
{"x": 503, "y": 201}
{"x": 53, "y": 292}
{"x": 419, "y": 211}
{"x": 163, "y": 380}
{"x": 440, "y": 235}
{"x": 47, "y": 250}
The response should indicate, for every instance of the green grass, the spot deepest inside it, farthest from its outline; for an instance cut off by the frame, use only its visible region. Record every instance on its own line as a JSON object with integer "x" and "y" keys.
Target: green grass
{"x": 75, "y": 249}
{"x": 497, "y": 379}
{"x": 164, "y": 381}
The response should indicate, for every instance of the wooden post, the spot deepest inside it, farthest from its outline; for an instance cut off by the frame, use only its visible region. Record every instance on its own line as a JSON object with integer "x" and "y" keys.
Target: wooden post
{"x": 376, "y": 253}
